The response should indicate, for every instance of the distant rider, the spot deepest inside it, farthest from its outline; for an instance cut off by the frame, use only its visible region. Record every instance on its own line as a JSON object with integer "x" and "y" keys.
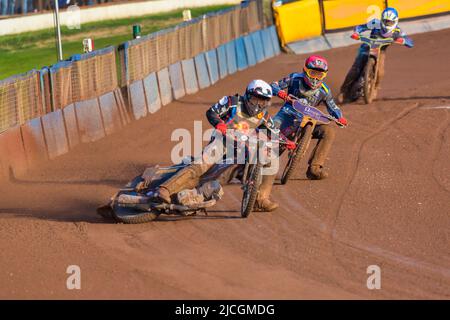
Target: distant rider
{"x": 309, "y": 86}
{"x": 386, "y": 28}
{"x": 230, "y": 113}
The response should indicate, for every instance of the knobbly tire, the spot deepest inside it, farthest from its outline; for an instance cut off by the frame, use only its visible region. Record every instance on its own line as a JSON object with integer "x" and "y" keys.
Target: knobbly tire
{"x": 370, "y": 80}
{"x": 251, "y": 189}
{"x": 299, "y": 153}
{"x": 130, "y": 215}
{"x": 138, "y": 218}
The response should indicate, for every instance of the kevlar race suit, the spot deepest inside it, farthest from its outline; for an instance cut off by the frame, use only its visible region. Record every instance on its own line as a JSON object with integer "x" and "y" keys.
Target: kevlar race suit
{"x": 229, "y": 110}
{"x": 325, "y": 134}
{"x": 363, "y": 54}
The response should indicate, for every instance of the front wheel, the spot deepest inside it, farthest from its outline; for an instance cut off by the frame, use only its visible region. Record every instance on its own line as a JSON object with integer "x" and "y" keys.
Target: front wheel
{"x": 370, "y": 80}
{"x": 251, "y": 188}
{"x": 299, "y": 152}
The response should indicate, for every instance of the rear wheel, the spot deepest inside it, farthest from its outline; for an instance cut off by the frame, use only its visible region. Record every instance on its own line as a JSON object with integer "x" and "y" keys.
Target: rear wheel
{"x": 132, "y": 214}
{"x": 298, "y": 154}
{"x": 251, "y": 187}
{"x": 370, "y": 80}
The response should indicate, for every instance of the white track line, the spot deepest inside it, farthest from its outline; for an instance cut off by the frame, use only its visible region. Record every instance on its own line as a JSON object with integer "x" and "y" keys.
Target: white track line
{"x": 439, "y": 107}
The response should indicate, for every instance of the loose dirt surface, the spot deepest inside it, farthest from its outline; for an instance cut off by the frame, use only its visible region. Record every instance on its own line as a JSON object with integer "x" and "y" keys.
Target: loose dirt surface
{"x": 386, "y": 203}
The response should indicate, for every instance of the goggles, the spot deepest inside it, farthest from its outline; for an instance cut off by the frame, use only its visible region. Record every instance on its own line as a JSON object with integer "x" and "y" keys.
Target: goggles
{"x": 389, "y": 23}
{"x": 315, "y": 74}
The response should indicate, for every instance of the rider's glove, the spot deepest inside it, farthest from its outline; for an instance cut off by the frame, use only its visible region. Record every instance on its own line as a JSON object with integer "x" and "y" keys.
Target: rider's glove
{"x": 283, "y": 95}
{"x": 343, "y": 121}
{"x": 355, "y": 36}
{"x": 290, "y": 145}
{"x": 400, "y": 41}
{"x": 222, "y": 127}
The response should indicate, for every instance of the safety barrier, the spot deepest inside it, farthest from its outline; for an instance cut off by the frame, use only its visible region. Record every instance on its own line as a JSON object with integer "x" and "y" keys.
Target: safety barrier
{"x": 80, "y": 100}
{"x": 20, "y": 99}
{"x": 48, "y": 112}
{"x": 320, "y": 16}
{"x": 177, "y": 54}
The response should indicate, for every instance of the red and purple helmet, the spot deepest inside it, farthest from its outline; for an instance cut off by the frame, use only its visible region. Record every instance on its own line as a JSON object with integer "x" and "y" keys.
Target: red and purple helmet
{"x": 316, "y": 68}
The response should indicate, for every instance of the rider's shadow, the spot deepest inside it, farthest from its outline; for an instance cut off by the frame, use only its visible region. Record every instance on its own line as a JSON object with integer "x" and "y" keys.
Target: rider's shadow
{"x": 278, "y": 181}
{"x": 200, "y": 216}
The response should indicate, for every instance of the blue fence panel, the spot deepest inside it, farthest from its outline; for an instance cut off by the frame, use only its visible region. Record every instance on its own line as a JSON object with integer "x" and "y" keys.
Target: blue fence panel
{"x": 258, "y": 46}
{"x": 231, "y": 57}
{"x": 190, "y": 76}
{"x": 275, "y": 42}
{"x": 269, "y": 51}
{"x": 213, "y": 68}
{"x": 222, "y": 60}
{"x": 241, "y": 55}
{"x": 176, "y": 79}
{"x": 251, "y": 57}
{"x": 202, "y": 71}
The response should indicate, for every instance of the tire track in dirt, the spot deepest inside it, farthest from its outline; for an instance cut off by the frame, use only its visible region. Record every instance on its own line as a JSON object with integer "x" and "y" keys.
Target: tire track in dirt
{"x": 438, "y": 144}
{"x": 354, "y": 166}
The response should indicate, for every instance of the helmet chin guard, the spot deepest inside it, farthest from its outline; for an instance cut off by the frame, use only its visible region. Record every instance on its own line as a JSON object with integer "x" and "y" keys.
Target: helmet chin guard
{"x": 389, "y": 20}
{"x": 315, "y": 70}
{"x": 312, "y": 83}
{"x": 257, "y": 97}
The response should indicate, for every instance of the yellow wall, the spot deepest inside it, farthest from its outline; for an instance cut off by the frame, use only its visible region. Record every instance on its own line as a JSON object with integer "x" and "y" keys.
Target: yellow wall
{"x": 413, "y": 8}
{"x": 302, "y": 19}
{"x": 298, "y": 20}
{"x": 348, "y": 13}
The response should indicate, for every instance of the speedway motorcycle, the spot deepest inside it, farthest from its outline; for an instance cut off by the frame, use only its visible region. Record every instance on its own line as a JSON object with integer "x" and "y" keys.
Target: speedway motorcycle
{"x": 305, "y": 119}
{"x": 365, "y": 86}
{"x": 134, "y": 203}
{"x": 257, "y": 150}
{"x": 252, "y": 170}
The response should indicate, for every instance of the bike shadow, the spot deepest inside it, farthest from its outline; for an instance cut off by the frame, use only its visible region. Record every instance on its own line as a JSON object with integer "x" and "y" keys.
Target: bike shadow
{"x": 199, "y": 217}
{"x": 278, "y": 182}
{"x": 413, "y": 98}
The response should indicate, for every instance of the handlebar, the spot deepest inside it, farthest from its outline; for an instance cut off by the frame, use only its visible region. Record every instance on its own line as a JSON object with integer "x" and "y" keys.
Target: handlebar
{"x": 329, "y": 117}
{"x": 376, "y": 41}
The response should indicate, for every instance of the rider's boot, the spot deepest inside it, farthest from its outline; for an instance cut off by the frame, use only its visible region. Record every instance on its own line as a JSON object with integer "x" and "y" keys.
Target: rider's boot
{"x": 263, "y": 202}
{"x": 316, "y": 172}
{"x": 186, "y": 178}
{"x": 325, "y": 135}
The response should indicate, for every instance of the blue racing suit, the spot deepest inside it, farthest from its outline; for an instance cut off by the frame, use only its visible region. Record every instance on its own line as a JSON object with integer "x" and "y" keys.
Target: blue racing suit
{"x": 296, "y": 86}
{"x": 363, "y": 53}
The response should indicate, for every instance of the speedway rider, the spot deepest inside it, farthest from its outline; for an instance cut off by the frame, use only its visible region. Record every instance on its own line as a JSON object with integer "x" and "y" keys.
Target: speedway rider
{"x": 309, "y": 86}
{"x": 386, "y": 28}
{"x": 229, "y": 113}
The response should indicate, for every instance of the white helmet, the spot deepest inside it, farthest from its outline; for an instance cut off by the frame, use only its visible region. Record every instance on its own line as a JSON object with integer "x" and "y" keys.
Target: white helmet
{"x": 260, "y": 90}
{"x": 389, "y": 20}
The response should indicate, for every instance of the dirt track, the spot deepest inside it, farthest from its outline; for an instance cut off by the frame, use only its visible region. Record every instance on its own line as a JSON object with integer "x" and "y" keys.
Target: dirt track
{"x": 386, "y": 203}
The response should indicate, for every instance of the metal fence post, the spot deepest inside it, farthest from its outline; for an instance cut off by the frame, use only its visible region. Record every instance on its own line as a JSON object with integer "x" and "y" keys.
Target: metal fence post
{"x": 322, "y": 16}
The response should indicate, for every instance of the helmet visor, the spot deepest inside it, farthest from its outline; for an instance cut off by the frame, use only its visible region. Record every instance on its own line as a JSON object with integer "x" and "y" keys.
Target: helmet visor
{"x": 389, "y": 23}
